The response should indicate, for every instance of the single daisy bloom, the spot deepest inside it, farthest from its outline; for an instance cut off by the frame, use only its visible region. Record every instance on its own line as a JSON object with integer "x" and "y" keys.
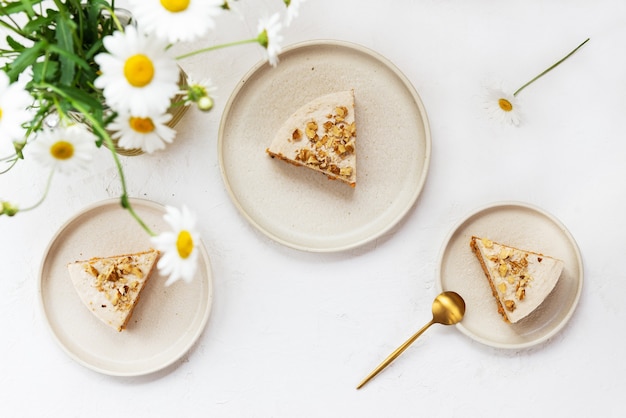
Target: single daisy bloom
{"x": 293, "y": 7}
{"x": 201, "y": 93}
{"x": 149, "y": 133}
{"x": 270, "y": 38}
{"x": 176, "y": 20}
{"x": 137, "y": 74}
{"x": 502, "y": 106}
{"x": 14, "y": 104}
{"x": 65, "y": 148}
{"x": 179, "y": 248}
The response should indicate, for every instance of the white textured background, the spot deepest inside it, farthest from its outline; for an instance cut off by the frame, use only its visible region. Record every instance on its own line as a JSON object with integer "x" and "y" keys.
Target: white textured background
{"x": 292, "y": 333}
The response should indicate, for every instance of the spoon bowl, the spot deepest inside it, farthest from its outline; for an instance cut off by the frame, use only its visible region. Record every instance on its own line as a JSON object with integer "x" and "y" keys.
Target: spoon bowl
{"x": 448, "y": 309}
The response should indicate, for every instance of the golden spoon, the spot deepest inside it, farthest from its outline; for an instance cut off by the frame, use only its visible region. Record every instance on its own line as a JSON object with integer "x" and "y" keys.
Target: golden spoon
{"x": 448, "y": 309}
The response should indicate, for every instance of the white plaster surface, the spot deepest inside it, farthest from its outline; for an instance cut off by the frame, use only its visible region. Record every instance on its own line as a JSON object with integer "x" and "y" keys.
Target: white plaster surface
{"x": 292, "y": 333}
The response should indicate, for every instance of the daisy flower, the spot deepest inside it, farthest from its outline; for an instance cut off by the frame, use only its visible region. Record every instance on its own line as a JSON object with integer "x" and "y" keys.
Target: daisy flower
{"x": 149, "y": 133}
{"x": 502, "y": 106}
{"x": 137, "y": 75}
{"x": 270, "y": 38}
{"x": 14, "y": 104}
{"x": 64, "y": 148}
{"x": 177, "y": 20}
{"x": 293, "y": 7}
{"x": 179, "y": 247}
{"x": 201, "y": 93}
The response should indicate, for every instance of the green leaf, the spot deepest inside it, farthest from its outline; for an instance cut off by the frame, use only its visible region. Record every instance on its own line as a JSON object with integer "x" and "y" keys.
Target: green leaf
{"x": 15, "y": 45}
{"x": 39, "y": 22}
{"x": 10, "y": 8}
{"x": 26, "y": 59}
{"x": 69, "y": 55}
{"x": 84, "y": 98}
{"x": 45, "y": 71}
{"x": 65, "y": 42}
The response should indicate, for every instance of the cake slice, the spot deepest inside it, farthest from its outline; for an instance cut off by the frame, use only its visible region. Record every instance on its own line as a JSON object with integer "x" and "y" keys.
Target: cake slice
{"x": 520, "y": 280}
{"x": 110, "y": 286}
{"x": 321, "y": 135}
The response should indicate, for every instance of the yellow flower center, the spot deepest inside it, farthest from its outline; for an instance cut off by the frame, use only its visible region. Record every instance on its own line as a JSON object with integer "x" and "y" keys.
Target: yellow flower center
{"x": 505, "y": 105}
{"x": 175, "y": 6}
{"x": 138, "y": 70}
{"x": 141, "y": 125}
{"x": 62, "y": 150}
{"x": 0, "y": 113}
{"x": 184, "y": 244}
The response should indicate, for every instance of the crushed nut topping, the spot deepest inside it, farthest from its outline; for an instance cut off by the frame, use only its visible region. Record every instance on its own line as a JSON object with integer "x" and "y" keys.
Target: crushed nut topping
{"x": 509, "y": 305}
{"x": 334, "y": 143}
{"x": 113, "y": 280}
{"x": 512, "y": 269}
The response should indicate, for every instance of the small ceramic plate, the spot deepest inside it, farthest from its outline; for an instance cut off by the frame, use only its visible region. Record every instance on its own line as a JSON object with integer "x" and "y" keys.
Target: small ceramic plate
{"x": 166, "y": 321}
{"x": 523, "y": 226}
{"x": 301, "y": 208}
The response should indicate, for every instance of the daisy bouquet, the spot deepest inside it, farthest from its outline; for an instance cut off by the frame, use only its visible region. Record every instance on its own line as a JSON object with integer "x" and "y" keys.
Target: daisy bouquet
{"x": 78, "y": 75}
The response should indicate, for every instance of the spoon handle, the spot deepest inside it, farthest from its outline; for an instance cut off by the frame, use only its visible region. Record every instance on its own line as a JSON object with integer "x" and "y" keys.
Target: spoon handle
{"x": 394, "y": 355}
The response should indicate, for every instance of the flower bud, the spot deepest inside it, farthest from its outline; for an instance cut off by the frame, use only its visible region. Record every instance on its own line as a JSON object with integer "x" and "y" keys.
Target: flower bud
{"x": 8, "y": 209}
{"x": 205, "y": 103}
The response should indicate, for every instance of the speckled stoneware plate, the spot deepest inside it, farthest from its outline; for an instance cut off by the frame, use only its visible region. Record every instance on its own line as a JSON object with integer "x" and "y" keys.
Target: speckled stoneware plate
{"x": 166, "y": 322}
{"x": 523, "y": 226}
{"x": 301, "y": 208}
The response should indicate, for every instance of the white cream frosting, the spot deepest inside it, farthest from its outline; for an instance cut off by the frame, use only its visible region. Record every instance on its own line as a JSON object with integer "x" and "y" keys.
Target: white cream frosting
{"x": 512, "y": 269}
{"x": 110, "y": 287}
{"x": 320, "y": 110}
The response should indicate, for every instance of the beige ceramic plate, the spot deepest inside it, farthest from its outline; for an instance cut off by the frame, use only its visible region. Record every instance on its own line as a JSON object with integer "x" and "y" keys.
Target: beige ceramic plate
{"x": 167, "y": 320}
{"x": 301, "y": 208}
{"x": 523, "y": 226}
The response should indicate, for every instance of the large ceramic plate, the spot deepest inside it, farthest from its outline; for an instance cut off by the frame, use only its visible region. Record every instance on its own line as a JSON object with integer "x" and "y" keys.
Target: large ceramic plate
{"x": 523, "y": 226}
{"x": 301, "y": 208}
{"x": 167, "y": 320}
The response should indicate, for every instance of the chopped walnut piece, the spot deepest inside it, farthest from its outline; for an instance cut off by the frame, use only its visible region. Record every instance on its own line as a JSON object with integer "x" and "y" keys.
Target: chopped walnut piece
{"x": 502, "y": 287}
{"x": 503, "y": 269}
{"x": 311, "y": 130}
{"x": 91, "y": 269}
{"x": 509, "y": 305}
{"x": 505, "y": 253}
{"x": 296, "y": 135}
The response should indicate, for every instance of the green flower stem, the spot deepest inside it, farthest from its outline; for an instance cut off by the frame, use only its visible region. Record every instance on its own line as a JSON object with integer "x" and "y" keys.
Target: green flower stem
{"x": 109, "y": 143}
{"x": 13, "y": 160}
{"x": 550, "y": 68}
{"x": 220, "y": 46}
{"x": 43, "y": 197}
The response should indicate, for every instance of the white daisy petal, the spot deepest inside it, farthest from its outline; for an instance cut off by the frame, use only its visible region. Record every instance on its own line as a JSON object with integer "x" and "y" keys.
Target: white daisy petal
{"x": 293, "y": 8}
{"x": 269, "y": 35}
{"x": 502, "y": 106}
{"x": 179, "y": 259}
{"x": 177, "y": 20}
{"x": 14, "y": 104}
{"x": 64, "y": 148}
{"x": 137, "y": 74}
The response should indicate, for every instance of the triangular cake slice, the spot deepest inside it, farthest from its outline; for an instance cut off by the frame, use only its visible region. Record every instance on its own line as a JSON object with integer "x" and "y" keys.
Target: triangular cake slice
{"x": 520, "y": 280}
{"x": 321, "y": 135}
{"x": 110, "y": 286}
